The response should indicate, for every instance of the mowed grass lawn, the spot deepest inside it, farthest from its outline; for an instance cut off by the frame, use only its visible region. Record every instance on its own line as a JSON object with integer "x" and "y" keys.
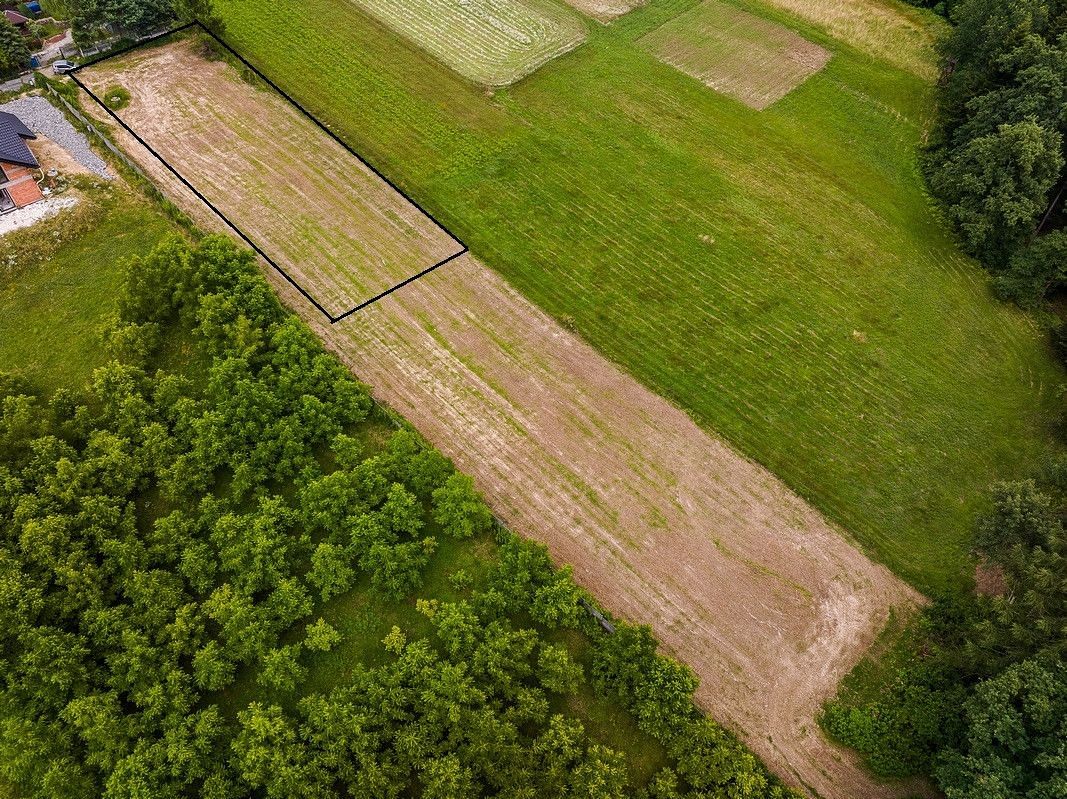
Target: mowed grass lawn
{"x": 781, "y": 274}
{"x": 52, "y": 313}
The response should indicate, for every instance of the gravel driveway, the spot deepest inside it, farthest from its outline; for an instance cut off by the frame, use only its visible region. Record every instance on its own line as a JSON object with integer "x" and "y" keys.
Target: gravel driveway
{"x": 41, "y": 116}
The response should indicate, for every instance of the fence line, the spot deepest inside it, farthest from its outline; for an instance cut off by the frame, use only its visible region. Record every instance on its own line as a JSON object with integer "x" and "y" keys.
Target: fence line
{"x": 96, "y": 132}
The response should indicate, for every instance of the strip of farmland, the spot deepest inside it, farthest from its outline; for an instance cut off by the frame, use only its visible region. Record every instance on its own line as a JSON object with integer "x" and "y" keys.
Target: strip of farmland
{"x": 492, "y": 42}
{"x": 273, "y": 173}
{"x": 663, "y": 522}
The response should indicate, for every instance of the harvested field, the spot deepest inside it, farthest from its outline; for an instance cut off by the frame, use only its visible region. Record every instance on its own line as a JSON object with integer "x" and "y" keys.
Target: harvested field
{"x": 889, "y": 30}
{"x": 276, "y": 175}
{"x": 663, "y": 522}
{"x": 492, "y": 42}
{"x": 605, "y": 10}
{"x": 750, "y": 59}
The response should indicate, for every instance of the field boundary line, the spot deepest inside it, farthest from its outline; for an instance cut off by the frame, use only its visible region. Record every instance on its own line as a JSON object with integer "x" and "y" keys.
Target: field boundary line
{"x": 333, "y": 319}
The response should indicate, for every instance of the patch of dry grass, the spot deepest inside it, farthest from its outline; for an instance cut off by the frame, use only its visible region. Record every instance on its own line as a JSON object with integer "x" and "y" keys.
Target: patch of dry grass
{"x": 888, "y": 30}
{"x": 750, "y": 59}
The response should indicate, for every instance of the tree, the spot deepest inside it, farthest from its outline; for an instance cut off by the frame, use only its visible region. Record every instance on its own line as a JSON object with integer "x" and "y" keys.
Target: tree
{"x": 996, "y": 186}
{"x": 1022, "y": 516}
{"x": 268, "y": 754}
{"x": 212, "y": 670}
{"x": 202, "y": 10}
{"x": 281, "y": 669}
{"x": 557, "y": 672}
{"x": 447, "y": 778}
{"x": 555, "y": 603}
{"x": 321, "y": 636}
{"x": 91, "y": 18}
{"x": 14, "y": 54}
{"x": 1035, "y": 271}
{"x": 1016, "y": 734}
{"x": 331, "y": 570}
{"x": 401, "y": 513}
{"x": 396, "y": 569}
{"x": 997, "y": 145}
{"x": 459, "y": 510}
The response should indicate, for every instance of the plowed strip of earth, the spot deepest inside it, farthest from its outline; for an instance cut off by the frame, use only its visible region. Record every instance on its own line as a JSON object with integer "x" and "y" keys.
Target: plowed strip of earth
{"x": 276, "y": 175}
{"x": 663, "y": 522}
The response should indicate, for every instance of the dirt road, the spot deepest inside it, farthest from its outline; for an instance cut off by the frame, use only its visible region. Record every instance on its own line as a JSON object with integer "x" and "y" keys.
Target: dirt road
{"x": 663, "y": 522}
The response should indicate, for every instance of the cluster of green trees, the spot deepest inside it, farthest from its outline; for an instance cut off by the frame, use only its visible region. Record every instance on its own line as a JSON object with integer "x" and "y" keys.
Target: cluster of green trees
{"x": 96, "y": 20}
{"x": 979, "y": 698}
{"x": 173, "y": 531}
{"x": 999, "y": 150}
{"x": 14, "y": 51}
{"x": 975, "y": 695}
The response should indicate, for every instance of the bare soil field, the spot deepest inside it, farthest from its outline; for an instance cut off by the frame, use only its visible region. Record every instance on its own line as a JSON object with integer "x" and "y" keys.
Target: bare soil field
{"x": 663, "y": 522}
{"x": 883, "y": 28}
{"x": 750, "y": 59}
{"x": 492, "y": 42}
{"x": 276, "y": 175}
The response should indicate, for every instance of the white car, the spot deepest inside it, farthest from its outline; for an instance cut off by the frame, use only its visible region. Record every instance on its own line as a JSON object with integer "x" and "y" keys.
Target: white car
{"x": 62, "y": 67}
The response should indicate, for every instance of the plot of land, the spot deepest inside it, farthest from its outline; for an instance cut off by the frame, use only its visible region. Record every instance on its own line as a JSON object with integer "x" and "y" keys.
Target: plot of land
{"x": 606, "y": 10}
{"x": 886, "y": 29}
{"x": 664, "y": 523}
{"x": 276, "y": 175}
{"x": 492, "y": 42}
{"x": 748, "y": 58}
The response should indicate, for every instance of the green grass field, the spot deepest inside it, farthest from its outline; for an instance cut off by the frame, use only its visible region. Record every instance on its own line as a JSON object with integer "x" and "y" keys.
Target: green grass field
{"x": 781, "y": 274}
{"x": 52, "y": 312}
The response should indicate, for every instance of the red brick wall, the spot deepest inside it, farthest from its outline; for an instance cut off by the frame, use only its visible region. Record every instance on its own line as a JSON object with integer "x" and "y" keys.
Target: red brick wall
{"x": 25, "y": 192}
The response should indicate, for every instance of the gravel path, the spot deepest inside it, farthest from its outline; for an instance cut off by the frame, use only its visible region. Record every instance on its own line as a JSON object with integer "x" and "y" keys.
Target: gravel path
{"x": 31, "y": 214}
{"x": 41, "y": 116}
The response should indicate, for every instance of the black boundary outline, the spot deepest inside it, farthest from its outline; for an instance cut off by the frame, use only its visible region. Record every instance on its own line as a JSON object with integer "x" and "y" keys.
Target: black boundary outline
{"x": 198, "y": 24}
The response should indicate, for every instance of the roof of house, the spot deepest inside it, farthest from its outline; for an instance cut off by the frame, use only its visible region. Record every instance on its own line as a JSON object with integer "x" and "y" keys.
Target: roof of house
{"x": 13, "y": 147}
{"x": 16, "y": 18}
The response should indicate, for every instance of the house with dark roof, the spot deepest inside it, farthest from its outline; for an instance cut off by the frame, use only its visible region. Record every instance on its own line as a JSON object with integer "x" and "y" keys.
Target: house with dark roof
{"x": 18, "y": 165}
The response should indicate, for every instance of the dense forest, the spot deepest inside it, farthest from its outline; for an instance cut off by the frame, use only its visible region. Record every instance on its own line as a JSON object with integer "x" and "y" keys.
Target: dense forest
{"x": 975, "y": 694}
{"x": 997, "y": 156}
{"x": 171, "y": 533}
